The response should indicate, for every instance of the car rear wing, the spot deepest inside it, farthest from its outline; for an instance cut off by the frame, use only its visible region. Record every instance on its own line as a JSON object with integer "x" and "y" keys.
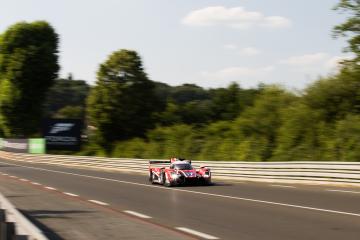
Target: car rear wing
{"x": 158, "y": 162}
{"x": 168, "y": 161}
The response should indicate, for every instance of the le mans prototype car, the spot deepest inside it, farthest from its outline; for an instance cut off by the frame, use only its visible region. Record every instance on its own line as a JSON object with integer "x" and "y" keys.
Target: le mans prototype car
{"x": 179, "y": 172}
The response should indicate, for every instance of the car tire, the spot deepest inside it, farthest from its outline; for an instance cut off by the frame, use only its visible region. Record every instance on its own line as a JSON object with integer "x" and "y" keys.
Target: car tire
{"x": 207, "y": 182}
{"x": 162, "y": 177}
{"x": 151, "y": 177}
{"x": 167, "y": 182}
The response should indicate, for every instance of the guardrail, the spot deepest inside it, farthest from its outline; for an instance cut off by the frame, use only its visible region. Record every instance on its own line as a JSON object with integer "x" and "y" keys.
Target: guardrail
{"x": 13, "y": 225}
{"x": 291, "y": 172}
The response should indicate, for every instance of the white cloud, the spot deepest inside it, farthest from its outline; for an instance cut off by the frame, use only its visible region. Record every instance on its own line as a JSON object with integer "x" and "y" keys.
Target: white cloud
{"x": 230, "y": 46}
{"x": 276, "y": 22}
{"x": 306, "y": 60}
{"x": 334, "y": 62}
{"x": 236, "y": 73}
{"x": 316, "y": 61}
{"x": 247, "y": 51}
{"x": 236, "y": 17}
{"x": 295, "y": 71}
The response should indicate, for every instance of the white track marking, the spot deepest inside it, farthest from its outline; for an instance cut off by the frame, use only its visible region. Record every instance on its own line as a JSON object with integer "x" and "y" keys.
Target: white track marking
{"x": 70, "y": 194}
{"x": 199, "y": 193}
{"x": 5, "y": 174}
{"x": 24, "y": 180}
{"x": 283, "y": 186}
{"x": 13, "y": 176}
{"x": 140, "y": 215}
{"x": 99, "y": 202}
{"x": 345, "y": 191}
{"x": 35, "y": 183}
{"x": 196, "y": 233}
{"x": 50, "y": 188}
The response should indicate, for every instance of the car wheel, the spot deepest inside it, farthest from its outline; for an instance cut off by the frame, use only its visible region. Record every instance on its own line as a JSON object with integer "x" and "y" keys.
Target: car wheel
{"x": 167, "y": 182}
{"x": 207, "y": 182}
{"x": 162, "y": 177}
{"x": 151, "y": 177}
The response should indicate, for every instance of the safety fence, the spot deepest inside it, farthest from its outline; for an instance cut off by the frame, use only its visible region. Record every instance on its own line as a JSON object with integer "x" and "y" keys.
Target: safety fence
{"x": 13, "y": 225}
{"x": 292, "y": 172}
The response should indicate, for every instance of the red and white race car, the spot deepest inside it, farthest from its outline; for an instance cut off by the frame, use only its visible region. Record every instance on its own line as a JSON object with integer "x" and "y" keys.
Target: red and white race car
{"x": 180, "y": 172}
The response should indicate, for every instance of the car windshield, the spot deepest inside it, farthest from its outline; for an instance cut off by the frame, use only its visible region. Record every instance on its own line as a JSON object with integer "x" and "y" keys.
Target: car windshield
{"x": 183, "y": 166}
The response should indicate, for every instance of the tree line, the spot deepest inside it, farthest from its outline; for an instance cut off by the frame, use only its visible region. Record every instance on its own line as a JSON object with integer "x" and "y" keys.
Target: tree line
{"x": 129, "y": 115}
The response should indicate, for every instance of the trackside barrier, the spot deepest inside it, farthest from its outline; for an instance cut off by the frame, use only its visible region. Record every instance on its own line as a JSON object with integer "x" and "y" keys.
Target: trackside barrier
{"x": 290, "y": 172}
{"x": 13, "y": 225}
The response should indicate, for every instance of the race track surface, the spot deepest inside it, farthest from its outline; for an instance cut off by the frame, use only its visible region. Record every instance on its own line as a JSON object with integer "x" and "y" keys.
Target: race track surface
{"x": 225, "y": 210}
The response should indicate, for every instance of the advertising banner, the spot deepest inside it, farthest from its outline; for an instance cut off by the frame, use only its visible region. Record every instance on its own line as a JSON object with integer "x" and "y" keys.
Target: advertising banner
{"x": 14, "y": 145}
{"x": 62, "y": 134}
{"x": 37, "y": 145}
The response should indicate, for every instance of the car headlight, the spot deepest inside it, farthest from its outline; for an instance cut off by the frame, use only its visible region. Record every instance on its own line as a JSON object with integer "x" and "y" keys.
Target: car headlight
{"x": 174, "y": 175}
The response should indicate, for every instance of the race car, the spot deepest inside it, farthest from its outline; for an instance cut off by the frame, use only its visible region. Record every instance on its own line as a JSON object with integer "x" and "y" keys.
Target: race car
{"x": 179, "y": 172}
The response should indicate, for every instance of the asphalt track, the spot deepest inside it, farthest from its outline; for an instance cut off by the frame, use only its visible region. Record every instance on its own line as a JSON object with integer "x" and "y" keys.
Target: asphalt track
{"x": 225, "y": 211}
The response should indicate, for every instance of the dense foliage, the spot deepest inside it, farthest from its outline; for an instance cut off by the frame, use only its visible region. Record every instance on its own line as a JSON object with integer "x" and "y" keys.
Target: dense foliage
{"x": 122, "y": 103}
{"x": 321, "y": 124}
{"x": 67, "y": 99}
{"x": 28, "y": 68}
{"x": 128, "y": 115}
{"x": 351, "y": 27}
{"x": 268, "y": 123}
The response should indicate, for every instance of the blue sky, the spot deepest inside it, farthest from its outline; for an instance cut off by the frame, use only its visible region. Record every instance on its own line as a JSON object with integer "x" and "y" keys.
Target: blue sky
{"x": 206, "y": 42}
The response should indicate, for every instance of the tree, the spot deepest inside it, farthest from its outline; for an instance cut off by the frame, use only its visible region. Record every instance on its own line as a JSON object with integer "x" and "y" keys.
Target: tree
{"x": 261, "y": 122}
{"x": 299, "y": 136}
{"x": 228, "y": 103}
{"x": 193, "y": 112}
{"x": 162, "y": 92}
{"x": 171, "y": 115}
{"x": 187, "y": 93}
{"x": 335, "y": 96}
{"x": 351, "y": 27}
{"x": 28, "y": 67}
{"x": 196, "y": 112}
{"x": 347, "y": 139}
{"x": 122, "y": 103}
{"x": 73, "y": 112}
{"x": 66, "y": 93}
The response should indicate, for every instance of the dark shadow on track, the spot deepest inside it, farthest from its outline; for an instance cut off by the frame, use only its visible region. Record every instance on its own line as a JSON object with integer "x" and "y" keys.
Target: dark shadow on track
{"x": 222, "y": 184}
{"x": 7, "y": 165}
{"x": 41, "y": 214}
{"x": 217, "y": 184}
{"x": 48, "y": 232}
{"x": 17, "y": 196}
